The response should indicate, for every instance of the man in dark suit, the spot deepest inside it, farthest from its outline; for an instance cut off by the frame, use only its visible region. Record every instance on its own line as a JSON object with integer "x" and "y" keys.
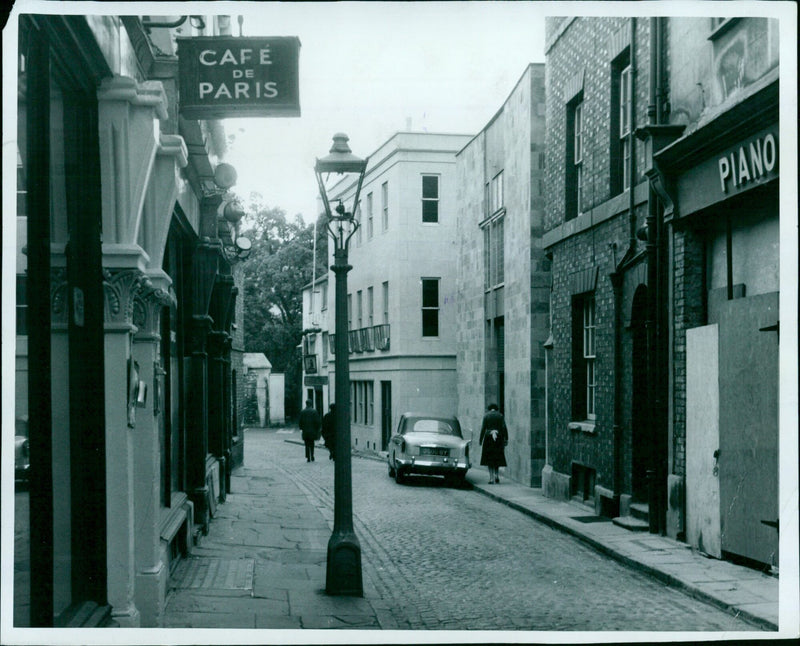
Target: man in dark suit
{"x": 309, "y": 423}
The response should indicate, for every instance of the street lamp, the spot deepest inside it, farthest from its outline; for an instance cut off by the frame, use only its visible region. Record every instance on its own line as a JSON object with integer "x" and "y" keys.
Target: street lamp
{"x": 344, "y": 550}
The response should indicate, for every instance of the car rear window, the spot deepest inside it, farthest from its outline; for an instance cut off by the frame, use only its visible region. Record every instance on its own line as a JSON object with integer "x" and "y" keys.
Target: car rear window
{"x": 430, "y": 426}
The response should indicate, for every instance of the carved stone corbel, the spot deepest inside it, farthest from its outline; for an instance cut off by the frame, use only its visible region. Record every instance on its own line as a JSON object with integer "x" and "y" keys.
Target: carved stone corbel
{"x": 147, "y": 305}
{"x": 120, "y": 288}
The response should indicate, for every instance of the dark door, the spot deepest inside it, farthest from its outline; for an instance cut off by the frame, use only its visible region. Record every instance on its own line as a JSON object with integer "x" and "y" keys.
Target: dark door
{"x": 641, "y": 436}
{"x": 319, "y": 404}
{"x": 500, "y": 330}
{"x": 386, "y": 413}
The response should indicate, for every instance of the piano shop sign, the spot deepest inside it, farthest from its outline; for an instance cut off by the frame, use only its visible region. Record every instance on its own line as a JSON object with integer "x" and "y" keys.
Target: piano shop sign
{"x": 750, "y": 163}
{"x": 225, "y": 77}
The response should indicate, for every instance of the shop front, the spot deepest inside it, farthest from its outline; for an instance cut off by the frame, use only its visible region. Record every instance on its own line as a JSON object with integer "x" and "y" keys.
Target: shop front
{"x": 723, "y": 218}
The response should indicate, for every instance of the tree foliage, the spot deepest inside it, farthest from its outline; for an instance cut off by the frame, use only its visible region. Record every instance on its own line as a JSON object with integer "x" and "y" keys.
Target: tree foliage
{"x": 274, "y": 274}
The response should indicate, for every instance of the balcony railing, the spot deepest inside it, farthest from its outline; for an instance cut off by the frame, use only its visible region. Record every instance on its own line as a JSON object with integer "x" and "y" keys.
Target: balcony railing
{"x": 381, "y": 335}
{"x": 365, "y": 339}
{"x": 355, "y": 341}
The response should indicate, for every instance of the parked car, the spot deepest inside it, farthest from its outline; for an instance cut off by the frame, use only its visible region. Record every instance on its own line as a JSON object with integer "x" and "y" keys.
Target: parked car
{"x": 22, "y": 462}
{"x": 429, "y": 445}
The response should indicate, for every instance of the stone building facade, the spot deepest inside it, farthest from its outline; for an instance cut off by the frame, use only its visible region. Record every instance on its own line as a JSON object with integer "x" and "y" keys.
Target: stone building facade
{"x": 503, "y": 279}
{"x": 125, "y": 300}
{"x": 402, "y": 314}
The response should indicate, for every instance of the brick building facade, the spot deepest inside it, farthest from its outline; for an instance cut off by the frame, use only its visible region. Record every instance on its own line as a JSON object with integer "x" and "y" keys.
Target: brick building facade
{"x": 597, "y": 94}
{"x": 663, "y": 228}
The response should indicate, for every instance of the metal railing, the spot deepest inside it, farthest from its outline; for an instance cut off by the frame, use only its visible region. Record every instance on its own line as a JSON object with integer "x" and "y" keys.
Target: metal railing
{"x": 365, "y": 339}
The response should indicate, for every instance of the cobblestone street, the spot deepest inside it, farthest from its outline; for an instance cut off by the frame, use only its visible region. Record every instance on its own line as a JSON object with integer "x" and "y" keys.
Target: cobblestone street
{"x": 434, "y": 557}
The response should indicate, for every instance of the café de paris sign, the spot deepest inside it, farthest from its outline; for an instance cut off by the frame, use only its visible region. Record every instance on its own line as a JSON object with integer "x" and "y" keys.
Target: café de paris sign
{"x": 224, "y": 76}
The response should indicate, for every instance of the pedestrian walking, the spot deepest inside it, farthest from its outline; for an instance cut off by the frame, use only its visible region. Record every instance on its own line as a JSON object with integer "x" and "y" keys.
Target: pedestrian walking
{"x": 329, "y": 431}
{"x": 309, "y": 423}
{"x": 493, "y": 438}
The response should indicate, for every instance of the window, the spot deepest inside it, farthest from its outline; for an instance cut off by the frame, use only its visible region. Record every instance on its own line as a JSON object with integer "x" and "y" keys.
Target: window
{"x": 487, "y": 198}
{"x": 369, "y": 216}
{"x": 430, "y": 198}
{"x": 370, "y": 303}
{"x": 493, "y": 253}
{"x": 497, "y": 202}
{"x": 324, "y": 296}
{"x": 621, "y": 118}
{"x": 487, "y": 258}
{"x": 720, "y": 26}
{"x": 430, "y": 307}
{"x": 386, "y": 302}
{"x": 362, "y": 402}
{"x": 589, "y": 355}
{"x": 574, "y": 162}
{"x": 385, "y": 205}
{"x": 584, "y": 383}
{"x": 358, "y": 219}
{"x": 370, "y": 403}
{"x": 578, "y": 135}
{"x": 349, "y": 311}
{"x": 325, "y": 346}
{"x": 359, "y": 309}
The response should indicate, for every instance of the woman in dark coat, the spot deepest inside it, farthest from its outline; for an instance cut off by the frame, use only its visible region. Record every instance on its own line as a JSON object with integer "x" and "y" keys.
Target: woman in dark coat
{"x": 329, "y": 430}
{"x": 493, "y": 438}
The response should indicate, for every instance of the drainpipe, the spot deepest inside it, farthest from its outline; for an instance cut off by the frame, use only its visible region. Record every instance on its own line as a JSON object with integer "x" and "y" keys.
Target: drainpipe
{"x": 632, "y": 139}
{"x": 655, "y": 348}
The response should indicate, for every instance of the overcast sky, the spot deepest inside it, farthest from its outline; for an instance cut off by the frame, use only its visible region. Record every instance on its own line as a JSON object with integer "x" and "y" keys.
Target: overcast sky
{"x": 371, "y": 69}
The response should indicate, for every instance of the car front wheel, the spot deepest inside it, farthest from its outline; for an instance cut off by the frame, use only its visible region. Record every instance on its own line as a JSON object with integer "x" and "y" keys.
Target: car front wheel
{"x": 399, "y": 476}
{"x": 391, "y": 470}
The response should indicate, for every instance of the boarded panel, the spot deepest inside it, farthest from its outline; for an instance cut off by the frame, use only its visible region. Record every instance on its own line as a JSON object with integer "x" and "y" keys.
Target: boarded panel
{"x": 749, "y": 426}
{"x": 702, "y": 439}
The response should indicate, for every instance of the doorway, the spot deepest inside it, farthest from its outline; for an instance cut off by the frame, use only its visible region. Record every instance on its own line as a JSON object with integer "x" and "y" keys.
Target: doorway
{"x": 641, "y": 431}
{"x": 386, "y": 414}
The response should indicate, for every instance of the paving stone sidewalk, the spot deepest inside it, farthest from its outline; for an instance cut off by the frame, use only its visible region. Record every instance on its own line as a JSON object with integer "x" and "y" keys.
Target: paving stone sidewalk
{"x": 263, "y": 562}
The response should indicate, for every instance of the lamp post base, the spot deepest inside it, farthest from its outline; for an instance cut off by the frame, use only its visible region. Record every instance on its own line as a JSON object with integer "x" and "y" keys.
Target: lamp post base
{"x": 344, "y": 565}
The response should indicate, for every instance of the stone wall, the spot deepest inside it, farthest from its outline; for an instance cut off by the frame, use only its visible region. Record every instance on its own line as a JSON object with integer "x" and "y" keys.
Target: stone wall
{"x": 513, "y": 142}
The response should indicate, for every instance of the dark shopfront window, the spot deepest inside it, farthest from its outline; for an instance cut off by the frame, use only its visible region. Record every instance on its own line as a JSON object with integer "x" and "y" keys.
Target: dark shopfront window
{"x": 60, "y": 557}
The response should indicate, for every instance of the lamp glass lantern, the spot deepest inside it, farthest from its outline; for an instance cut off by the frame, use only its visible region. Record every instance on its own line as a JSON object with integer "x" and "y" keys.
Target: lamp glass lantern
{"x": 344, "y": 551}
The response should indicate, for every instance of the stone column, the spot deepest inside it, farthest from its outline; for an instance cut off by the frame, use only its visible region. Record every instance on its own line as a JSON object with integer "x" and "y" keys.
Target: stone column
{"x": 119, "y": 289}
{"x": 151, "y": 573}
